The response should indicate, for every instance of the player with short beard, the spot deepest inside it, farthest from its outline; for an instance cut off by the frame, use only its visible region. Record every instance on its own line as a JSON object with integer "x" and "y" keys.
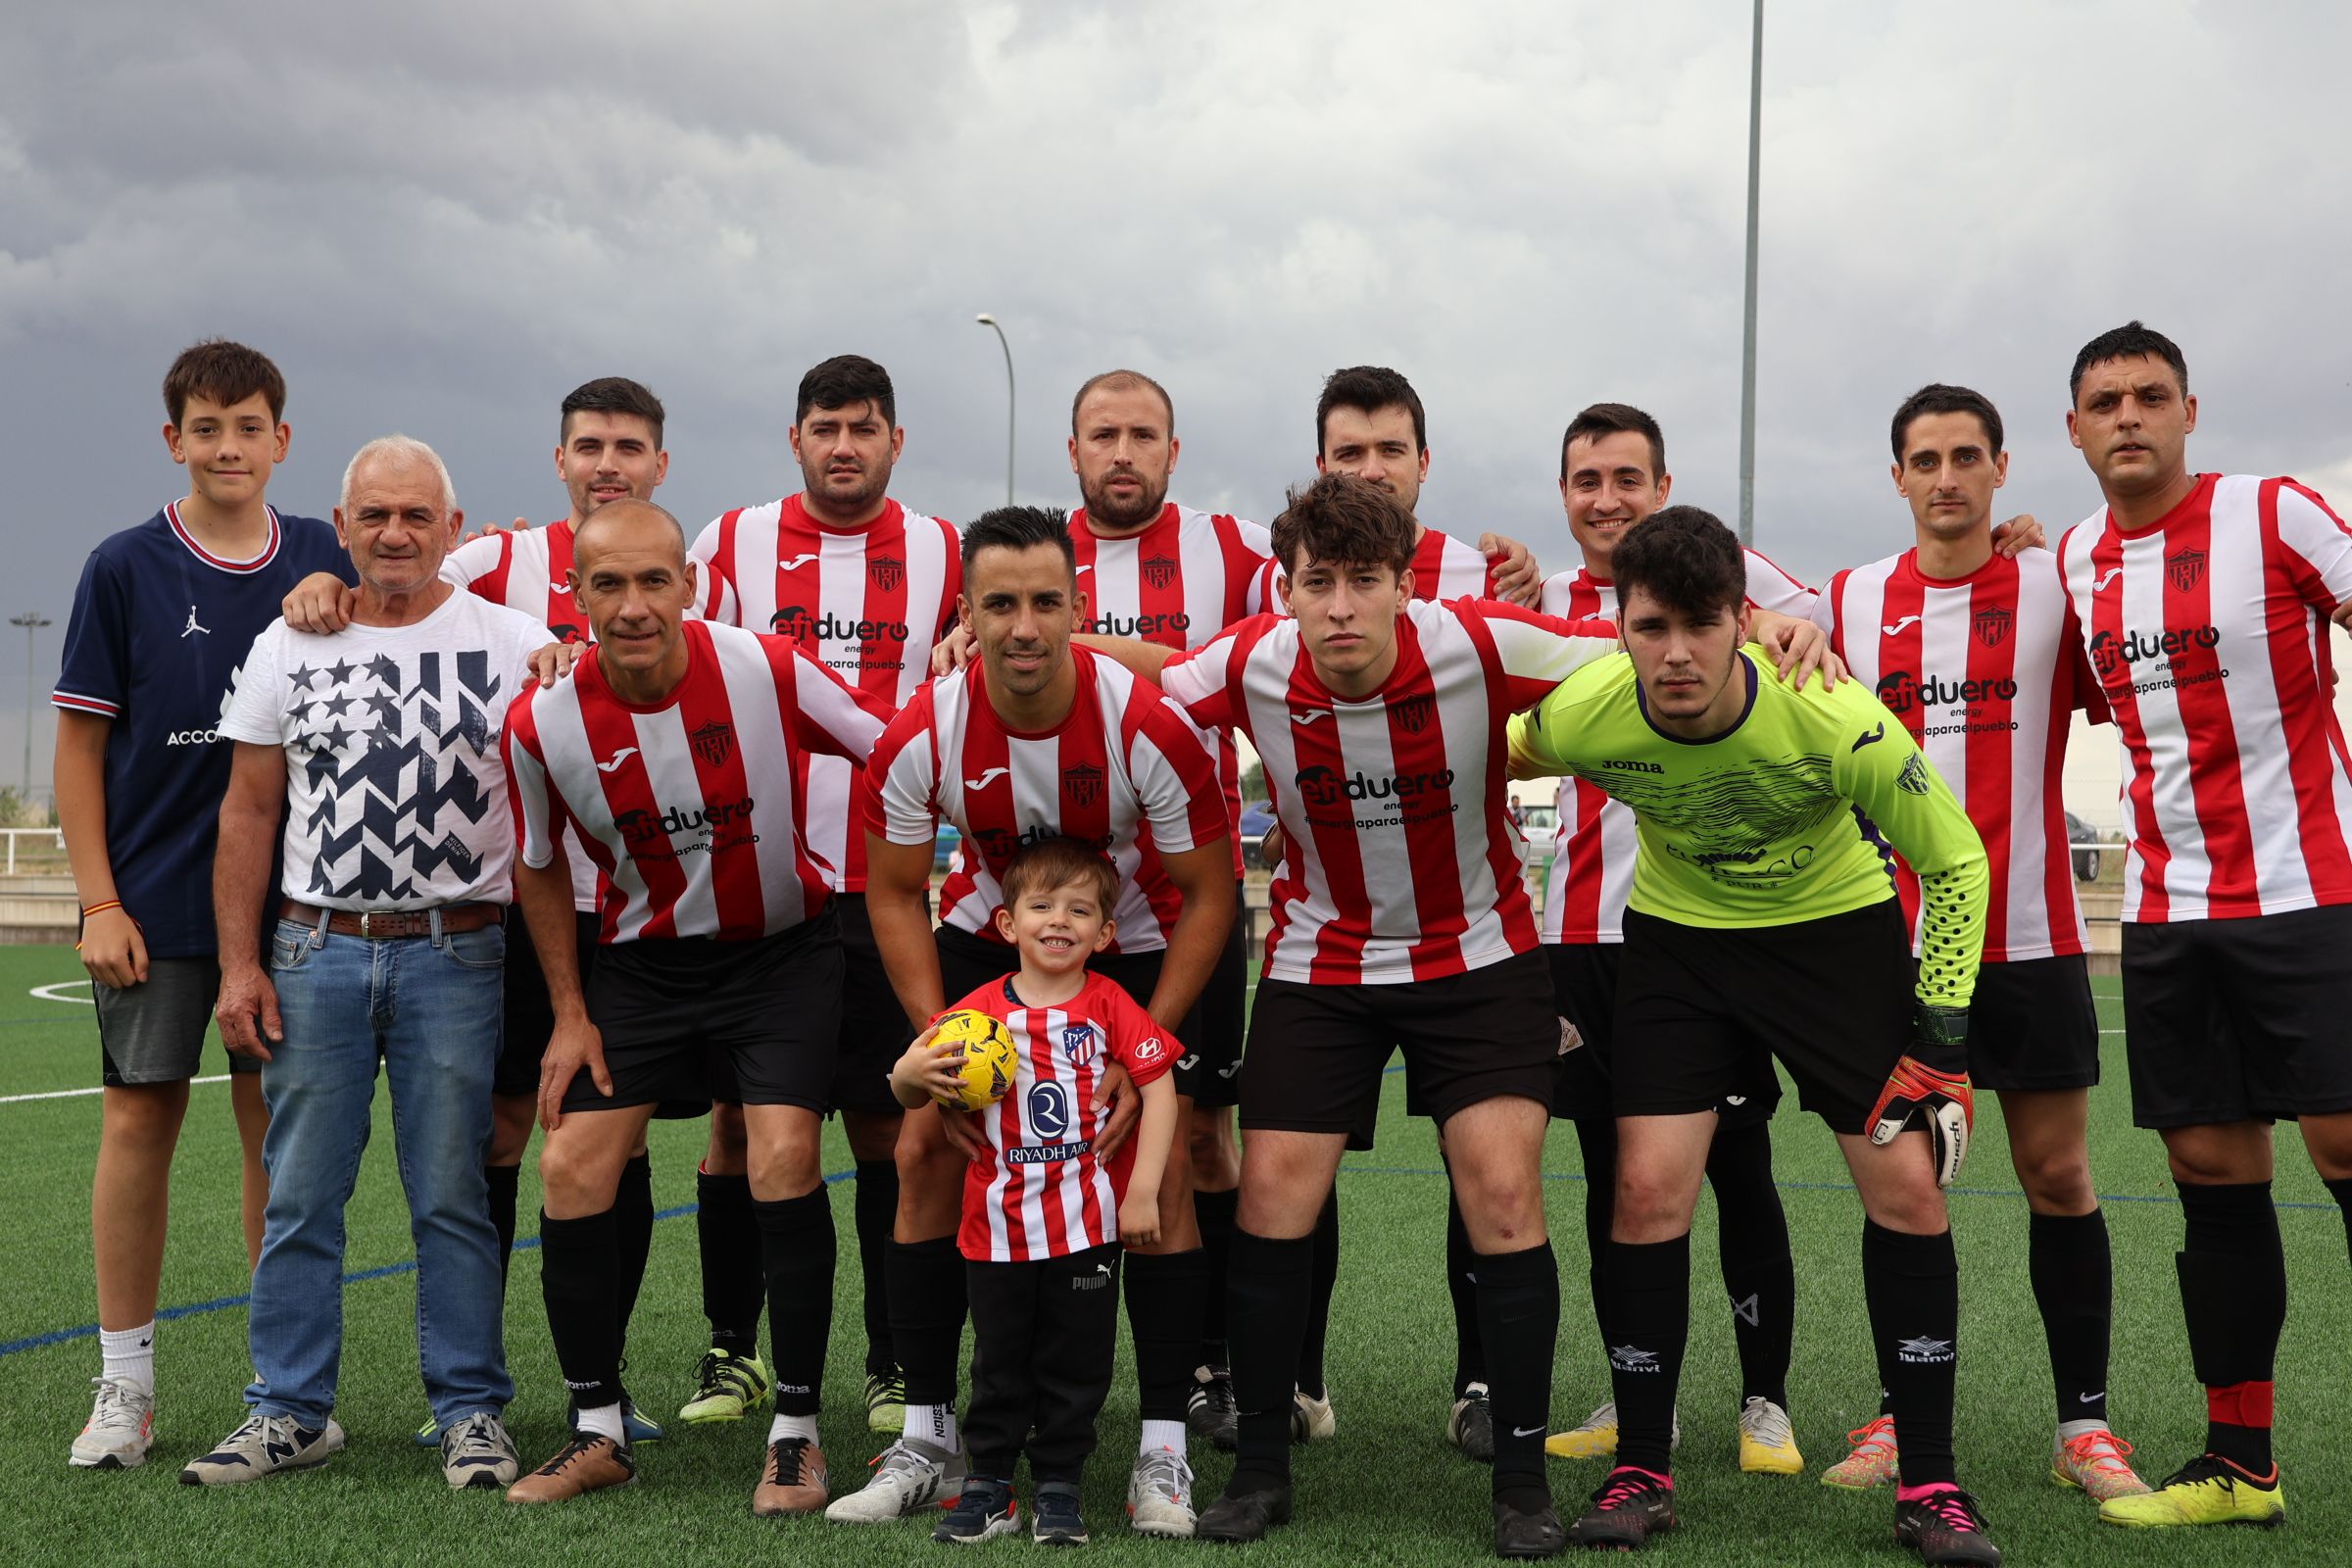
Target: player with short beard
{"x": 2203, "y": 600}
{"x": 867, "y": 586}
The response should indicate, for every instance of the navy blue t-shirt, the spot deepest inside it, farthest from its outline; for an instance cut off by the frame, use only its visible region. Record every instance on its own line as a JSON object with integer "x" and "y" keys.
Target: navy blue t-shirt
{"x": 160, "y": 631}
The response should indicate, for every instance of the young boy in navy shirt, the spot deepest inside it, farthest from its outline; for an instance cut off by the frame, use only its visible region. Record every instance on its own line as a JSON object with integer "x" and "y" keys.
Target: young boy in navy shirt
{"x": 1043, "y": 1211}
{"x": 161, "y": 621}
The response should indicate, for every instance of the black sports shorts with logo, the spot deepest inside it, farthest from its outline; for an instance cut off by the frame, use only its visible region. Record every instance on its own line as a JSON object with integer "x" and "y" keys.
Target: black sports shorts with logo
{"x": 2033, "y": 1025}
{"x": 1583, "y": 988}
{"x": 1316, "y": 1051}
{"x": 1702, "y": 1012}
{"x": 2237, "y": 1021}
{"x": 682, "y": 1013}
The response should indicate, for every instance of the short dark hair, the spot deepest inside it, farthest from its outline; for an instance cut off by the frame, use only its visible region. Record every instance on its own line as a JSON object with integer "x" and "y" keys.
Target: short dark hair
{"x": 612, "y": 394}
{"x": 1685, "y": 559}
{"x": 1340, "y": 519}
{"x": 1057, "y": 861}
{"x": 1019, "y": 529}
{"x": 2130, "y": 341}
{"x": 1371, "y": 388}
{"x": 223, "y": 372}
{"x": 1122, "y": 382}
{"x": 842, "y": 380}
{"x": 1938, "y": 397}
{"x": 1611, "y": 418}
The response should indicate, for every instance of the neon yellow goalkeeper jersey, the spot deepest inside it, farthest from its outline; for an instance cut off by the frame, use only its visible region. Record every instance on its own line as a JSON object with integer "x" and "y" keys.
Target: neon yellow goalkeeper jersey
{"x": 1786, "y": 816}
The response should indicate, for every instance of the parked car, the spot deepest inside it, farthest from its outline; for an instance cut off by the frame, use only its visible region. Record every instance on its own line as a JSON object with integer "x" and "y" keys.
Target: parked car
{"x": 2086, "y": 862}
{"x": 1256, "y": 818}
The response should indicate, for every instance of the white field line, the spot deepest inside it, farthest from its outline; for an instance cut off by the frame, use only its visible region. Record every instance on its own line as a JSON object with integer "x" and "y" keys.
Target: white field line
{"x": 75, "y": 1094}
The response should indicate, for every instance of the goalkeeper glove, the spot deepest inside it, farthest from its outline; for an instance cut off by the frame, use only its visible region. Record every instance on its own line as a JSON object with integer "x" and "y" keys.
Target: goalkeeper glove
{"x": 1930, "y": 1082}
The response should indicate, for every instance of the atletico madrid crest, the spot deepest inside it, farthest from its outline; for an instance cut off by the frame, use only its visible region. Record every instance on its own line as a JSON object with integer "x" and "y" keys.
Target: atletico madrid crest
{"x": 1079, "y": 1043}
{"x": 714, "y": 743}
{"x": 1992, "y": 625}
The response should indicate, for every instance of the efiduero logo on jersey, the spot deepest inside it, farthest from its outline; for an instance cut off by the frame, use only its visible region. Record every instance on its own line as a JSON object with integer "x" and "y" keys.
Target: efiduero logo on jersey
{"x": 643, "y": 827}
{"x": 1139, "y": 625}
{"x": 1322, "y": 786}
{"x": 794, "y": 620}
{"x": 2109, "y": 652}
{"x": 206, "y": 736}
{"x": 1901, "y": 691}
{"x": 1003, "y": 844}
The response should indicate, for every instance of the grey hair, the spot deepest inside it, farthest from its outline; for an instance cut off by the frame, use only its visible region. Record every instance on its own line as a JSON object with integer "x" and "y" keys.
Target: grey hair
{"x": 405, "y": 447}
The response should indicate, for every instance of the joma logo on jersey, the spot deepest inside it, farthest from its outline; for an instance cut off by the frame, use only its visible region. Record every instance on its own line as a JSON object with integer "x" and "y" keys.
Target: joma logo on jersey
{"x": 714, "y": 743}
{"x": 2184, "y": 569}
{"x": 1992, "y": 627}
{"x": 643, "y": 827}
{"x": 1139, "y": 625}
{"x": 794, "y": 620}
{"x": 1321, "y": 786}
{"x": 1901, "y": 691}
{"x": 1631, "y": 767}
{"x": 2108, "y": 651}
{"x": 1159, "y": 571}
{"x": 886, "y": 572}
{"x": 1083, "y": 784}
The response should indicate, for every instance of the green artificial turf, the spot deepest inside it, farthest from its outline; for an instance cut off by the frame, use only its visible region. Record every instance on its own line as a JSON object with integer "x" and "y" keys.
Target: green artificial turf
{"x": 1387, "y": 1490}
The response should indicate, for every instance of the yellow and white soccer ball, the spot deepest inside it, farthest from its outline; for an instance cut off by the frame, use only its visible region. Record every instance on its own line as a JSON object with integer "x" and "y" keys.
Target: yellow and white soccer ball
{"x": 990, "y": 1062}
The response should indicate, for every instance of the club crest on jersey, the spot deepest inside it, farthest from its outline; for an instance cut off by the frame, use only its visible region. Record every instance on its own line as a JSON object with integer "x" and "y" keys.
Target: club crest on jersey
{"x": 1159, "y": 571}
{"x": 1079, "y": 1043}
{"x": 714, "y": 743}
{"x": 1413, "y": 713}
{"x": 2184, "y": 569}
{"x": 1084, "y": 784}
{"x": 567, "y": 633}
{"x": 1992, "y": 627}
{"x": 1913, "y": 779}
{"x": 886, "y": 572}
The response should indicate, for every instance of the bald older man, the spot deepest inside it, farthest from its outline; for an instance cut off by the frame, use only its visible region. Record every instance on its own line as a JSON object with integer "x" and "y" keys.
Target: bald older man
{"x": 375, "y": 750}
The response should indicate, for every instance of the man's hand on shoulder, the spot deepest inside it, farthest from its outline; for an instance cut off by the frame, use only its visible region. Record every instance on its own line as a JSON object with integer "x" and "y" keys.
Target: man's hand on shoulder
{"x": 1518, "y": 580}
{"x": 321, "y": 603}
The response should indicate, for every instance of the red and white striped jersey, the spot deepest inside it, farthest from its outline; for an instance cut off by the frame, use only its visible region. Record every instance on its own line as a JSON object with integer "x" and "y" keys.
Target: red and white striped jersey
{"x": 1592, "y": 837}
{"x": 869, "y": 603}
{"x": 1396, "y": 869}
{"x": 1985, "y": 672}
{"x": 1123, "y": 770}
{"x": 687, "y": 806}
{"x": 2208, "y": 633}
{"x": 1178, "y": 583}
{"x": 1445, "y": 567}
{"x": 1041, "y": 1192}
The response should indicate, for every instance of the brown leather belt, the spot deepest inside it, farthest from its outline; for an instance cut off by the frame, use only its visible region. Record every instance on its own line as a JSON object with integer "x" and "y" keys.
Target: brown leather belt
{"x": 385, "y": 925}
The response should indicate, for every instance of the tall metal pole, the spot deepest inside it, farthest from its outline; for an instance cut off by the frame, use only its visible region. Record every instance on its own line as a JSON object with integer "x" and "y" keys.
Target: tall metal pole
{"x": 990, "y": 321}
{"x": 32, "y": 620}
{"x": 1747, "y": 330}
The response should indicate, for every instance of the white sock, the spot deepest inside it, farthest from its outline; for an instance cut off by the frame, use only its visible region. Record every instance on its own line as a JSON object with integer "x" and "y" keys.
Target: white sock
{"x": 129, "y": 1355}
{"x": 1158, "y": 1435}
{"x": 792, "y": 1426}
{"x": 934, "y": 1424}
{"x": 2069, "y": 1431}
{"x": 605, "y": 1421}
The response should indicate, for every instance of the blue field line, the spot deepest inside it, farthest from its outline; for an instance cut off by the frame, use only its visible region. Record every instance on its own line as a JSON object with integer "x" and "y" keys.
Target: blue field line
{"x": 524, "y": 1244}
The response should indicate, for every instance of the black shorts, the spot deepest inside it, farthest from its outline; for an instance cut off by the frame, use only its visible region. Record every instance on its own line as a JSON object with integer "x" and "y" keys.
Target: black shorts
{"x": 2033, "y": 1025}
{"x": 967, "y": 962}
{"x": 1211, "y": 1063}
{"x": 765, "y": 1013}
{"x": 874, "y": 1030}
{"x": 1583, "y": 988}
{"x": 529, "y": 1016}
{"x": 2234, "y": 1020}
{"x": 1701, "y": 1009}
{"x": 1316, "y": 1051}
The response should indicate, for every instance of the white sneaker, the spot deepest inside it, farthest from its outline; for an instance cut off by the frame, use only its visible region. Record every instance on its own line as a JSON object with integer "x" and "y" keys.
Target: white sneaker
{"x": 477, "y": 1452}
{"x": 1160, "y": 1495}
{"x": 1311, "y": 1419}
{"x": 910, "y": 1474}
{"x": 264, "y": 1445}
{"x": 121, "y": 1427}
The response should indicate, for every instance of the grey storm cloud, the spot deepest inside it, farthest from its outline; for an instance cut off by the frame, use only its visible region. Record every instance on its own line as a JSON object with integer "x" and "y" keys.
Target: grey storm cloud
{"x": 439, "y": 218}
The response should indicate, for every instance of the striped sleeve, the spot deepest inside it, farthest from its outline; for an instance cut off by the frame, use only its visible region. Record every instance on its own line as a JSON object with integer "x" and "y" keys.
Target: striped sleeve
{"x": 825, "y": 714}
{"x": 1175, "y": 776}
{"x": 2318, "y": 543}
{"x": 528, "y": 786}
{"x": 898, "y": 789}
{"x": 1207, "y": 683}
{"x": 714, "y": 591}
{"x": 1771, "y": 588}
{"x": 1537, "y": 652}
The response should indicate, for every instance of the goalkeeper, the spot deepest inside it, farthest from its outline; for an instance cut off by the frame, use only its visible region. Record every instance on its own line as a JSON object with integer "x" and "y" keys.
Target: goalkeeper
{"x": 1763, "y": 918}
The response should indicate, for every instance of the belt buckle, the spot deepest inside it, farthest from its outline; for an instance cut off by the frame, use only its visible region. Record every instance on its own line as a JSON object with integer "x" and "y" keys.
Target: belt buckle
{"x": 364, "y": 917}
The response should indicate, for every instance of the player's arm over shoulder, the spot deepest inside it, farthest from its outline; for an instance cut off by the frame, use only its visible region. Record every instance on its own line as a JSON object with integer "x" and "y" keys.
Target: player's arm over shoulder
{"x": 1553, "y": 736}
{"x": 1879, "y": 767}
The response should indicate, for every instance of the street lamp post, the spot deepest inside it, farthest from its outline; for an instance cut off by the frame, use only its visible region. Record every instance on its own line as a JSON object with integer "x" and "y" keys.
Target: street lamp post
{"x": 990, "y": 321}
{"x": 32, "y": 620}
{"x": 1747, "y": 328}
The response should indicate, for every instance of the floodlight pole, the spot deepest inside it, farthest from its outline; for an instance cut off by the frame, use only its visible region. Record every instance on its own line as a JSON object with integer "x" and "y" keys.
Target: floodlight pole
{"x": 990, "y": 321}
{"x": 32, "y": 620}
{"x": 1748, "y": 329}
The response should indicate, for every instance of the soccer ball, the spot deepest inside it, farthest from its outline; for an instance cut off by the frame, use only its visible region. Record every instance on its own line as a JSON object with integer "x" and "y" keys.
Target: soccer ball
{"x": 989, "y": 1058}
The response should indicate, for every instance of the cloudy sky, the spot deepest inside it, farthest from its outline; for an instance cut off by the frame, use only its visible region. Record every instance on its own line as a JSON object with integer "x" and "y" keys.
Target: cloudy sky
{"x": 441, "y": 220}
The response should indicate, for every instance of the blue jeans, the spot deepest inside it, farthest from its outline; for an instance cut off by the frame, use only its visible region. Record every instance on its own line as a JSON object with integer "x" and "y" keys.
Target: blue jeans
{"x": 430, "y": 1009}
